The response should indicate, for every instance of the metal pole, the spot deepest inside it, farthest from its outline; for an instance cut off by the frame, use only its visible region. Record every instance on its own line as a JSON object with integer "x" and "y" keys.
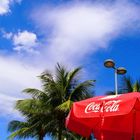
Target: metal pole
{"x": 116, "y": 83}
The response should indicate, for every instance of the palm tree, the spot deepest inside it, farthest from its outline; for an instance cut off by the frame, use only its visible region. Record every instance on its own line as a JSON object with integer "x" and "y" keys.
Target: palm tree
{"x": 64, "y": 88}
{"x": 129, "y": 86}
{"x": 45, "y": 112}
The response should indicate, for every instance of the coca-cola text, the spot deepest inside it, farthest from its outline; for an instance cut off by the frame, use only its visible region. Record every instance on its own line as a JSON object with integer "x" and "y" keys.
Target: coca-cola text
{"x": 109, "y": 106}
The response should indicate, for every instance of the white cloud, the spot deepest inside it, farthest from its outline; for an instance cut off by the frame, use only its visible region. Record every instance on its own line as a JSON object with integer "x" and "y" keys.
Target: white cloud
{"x": 80, "y": 29}
{"x": 7, "y": 105}
{"x": 7, "y": 35}
{"x": 5, "y": 5}
{"x": 25, "y": 40}
{"x": 15, "y": 75}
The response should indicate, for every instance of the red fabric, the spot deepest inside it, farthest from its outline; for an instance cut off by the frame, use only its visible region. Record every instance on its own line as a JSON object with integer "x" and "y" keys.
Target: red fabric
{"x": 108, "y": 117}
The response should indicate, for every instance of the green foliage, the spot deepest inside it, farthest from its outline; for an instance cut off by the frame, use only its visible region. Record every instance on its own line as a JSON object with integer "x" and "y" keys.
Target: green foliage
{"x": 46, "y": 110}
{"x": 130, "y": 86}
{"x": 20, "y": 130}
{"x": 65, "y": 106}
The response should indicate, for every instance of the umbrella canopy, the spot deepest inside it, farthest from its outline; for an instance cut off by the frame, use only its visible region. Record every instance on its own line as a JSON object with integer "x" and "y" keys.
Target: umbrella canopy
{"x": 113, "y": 117}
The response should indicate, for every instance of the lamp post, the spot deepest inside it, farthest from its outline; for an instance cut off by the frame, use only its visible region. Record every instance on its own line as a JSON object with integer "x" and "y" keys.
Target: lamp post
{"x": 109, "y": 63}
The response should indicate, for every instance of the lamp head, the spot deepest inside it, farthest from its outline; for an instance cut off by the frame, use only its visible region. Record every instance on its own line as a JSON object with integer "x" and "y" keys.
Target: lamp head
{"x": 121, "y": 70}
{"x": 109, "y": 63}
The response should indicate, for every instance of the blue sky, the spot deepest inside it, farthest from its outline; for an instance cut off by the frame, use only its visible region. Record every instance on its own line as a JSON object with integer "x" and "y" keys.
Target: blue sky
{"x": 36, "y": 34}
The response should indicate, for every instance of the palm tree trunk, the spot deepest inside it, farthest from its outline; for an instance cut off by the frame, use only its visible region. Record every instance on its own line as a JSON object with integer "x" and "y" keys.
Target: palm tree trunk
{"x": 59, "y": 136}
{"x": 41, "y": 137}
{"x": 60, "y": 132}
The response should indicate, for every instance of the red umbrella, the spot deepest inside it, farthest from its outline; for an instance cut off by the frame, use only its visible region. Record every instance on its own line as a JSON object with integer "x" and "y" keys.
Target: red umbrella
{"x": 113, "y": 117}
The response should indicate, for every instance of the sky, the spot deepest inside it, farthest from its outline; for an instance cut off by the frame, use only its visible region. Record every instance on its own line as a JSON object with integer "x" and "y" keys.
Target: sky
{"x": 36, "y": 34}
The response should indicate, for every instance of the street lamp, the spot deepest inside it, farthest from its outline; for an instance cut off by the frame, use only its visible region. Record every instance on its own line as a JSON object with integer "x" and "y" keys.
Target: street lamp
{"x": 109, "y": 63}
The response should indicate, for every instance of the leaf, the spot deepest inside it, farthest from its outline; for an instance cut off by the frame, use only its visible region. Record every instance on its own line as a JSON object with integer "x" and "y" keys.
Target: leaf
{"x": 65, "y": 106}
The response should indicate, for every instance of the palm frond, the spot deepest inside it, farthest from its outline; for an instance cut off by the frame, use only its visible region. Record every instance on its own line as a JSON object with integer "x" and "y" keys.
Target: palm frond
{"x": 136, "y": 86}
{"x": 21, "y": 129}
{"x": 21, "y": 133}
{"x": 82, "y": 88}
{"x": 61, "y": 75}
{"x": 73, "y": 74}
{"x": 128, "y": 84}
{"x": 65, "y": 106}
{"x": 71, "y": 77}
{"x": 46, "y": 77}
{"x": 35, "y": 93}
{"x": 31, "y": 106}
{"x": 15, "y": 125}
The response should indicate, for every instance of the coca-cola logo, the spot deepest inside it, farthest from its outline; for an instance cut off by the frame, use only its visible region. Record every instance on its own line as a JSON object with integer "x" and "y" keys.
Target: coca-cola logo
{"x": 109, "y": 106}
